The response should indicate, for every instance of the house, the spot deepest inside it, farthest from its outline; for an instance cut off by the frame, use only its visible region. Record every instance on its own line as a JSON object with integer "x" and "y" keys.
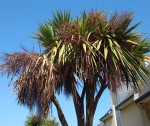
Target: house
{"x": 129, "y": 108}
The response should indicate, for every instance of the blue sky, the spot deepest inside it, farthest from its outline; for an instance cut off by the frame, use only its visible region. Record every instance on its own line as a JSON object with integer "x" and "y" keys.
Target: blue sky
{"x": 20, "y": 18}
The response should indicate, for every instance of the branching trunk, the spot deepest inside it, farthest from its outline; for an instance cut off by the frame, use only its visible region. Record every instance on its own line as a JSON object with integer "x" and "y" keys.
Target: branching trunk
{"x": 91, "y": 102}
{"x": 59, "y": 111}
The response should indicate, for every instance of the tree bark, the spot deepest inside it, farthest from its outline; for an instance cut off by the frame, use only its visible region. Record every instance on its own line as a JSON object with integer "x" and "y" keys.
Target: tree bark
{"x": 100, "y": 92}
{"x": 59, "y": 111}
{"x": 79, "y": 105}
{"x": 91, "y": 102}
{"x": 80, "y": 114}
{"x": 89, "y": 120}
{"x": 90, "y": 90}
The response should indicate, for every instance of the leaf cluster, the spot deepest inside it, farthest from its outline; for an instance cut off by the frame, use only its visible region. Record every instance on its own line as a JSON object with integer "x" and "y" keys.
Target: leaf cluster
{"x": 36, "y": 120}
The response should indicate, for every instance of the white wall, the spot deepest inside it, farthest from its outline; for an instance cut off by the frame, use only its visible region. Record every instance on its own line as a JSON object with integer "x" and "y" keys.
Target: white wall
{"x": 109, "y": 122}
{"x": 131, "y": 116}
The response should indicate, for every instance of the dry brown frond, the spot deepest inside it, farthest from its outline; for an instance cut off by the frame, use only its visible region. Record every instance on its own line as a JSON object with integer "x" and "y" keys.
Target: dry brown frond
{"x": 94, "y": 18}
{"x": 35, "y": 85}
{"x": 69, "y": 33}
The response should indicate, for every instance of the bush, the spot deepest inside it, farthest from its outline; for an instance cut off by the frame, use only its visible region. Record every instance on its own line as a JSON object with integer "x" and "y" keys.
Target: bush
{"x": 36, "y": 120}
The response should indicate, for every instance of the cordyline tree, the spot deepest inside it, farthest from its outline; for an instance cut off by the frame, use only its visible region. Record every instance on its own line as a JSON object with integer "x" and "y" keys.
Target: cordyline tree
{"x": 37, "y": 120}
{"x": 81, "y": 58}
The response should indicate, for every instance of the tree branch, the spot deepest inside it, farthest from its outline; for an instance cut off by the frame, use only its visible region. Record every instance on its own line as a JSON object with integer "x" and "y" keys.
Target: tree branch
{"x": 103, "y": 87}
{"x": 79, "y": 106}
{"x": 75, "y": 92}
{"x": 59, "y": 111}
{"x": 83, "y": 92}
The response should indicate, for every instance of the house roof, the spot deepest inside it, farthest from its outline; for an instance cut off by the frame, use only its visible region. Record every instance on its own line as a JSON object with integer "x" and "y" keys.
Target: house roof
{"x": 125, "y": 102}
{"x": 107, "y": 115}
{"x": 143, "y": 97}
{"x": 129, "y": 99}
{"x": 101, "y": 124}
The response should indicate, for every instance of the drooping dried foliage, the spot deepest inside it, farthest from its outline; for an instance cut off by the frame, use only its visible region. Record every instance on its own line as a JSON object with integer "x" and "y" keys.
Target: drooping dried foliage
{"x": 35, "y": 85}
{"x": 96, "y": 48}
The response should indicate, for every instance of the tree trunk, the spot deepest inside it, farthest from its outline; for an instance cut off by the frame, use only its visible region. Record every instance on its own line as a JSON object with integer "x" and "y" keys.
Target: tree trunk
{"x": 79, "y": 106}
{"x": 59, "y": 111}
{"x": 90, "y": 91}
{"x": 91, "y": 102}
{"x": 89, "y": 119}
{"x": 80, "y": 115}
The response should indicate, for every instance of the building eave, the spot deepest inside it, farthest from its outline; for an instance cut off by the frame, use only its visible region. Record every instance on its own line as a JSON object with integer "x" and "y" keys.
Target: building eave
{"x": 126, "y": 102}
{"x": 143, "y": 97}
{"x": 107, "y": 115}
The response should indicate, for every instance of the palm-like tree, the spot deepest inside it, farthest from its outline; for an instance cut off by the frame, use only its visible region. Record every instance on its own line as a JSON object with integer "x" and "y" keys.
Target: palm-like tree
{"x": 36, "y": 120}
{"x": 92, "y": 52}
